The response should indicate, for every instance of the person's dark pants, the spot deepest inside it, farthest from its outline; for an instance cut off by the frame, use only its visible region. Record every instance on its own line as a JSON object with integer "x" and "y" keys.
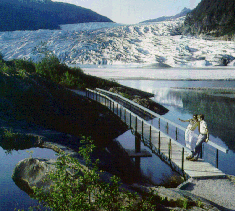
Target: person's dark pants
{"x": 198, "y": 148}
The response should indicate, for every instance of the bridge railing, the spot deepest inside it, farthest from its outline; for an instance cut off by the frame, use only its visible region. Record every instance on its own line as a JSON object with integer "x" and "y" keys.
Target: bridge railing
{"x": 168, "y": 123}
{"x": 170, "y": 129}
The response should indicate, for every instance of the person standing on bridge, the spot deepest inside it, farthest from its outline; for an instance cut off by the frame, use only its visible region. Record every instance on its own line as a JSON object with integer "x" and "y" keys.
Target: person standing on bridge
{"x": 203, "y": 137}
{"x": 190, "y": 141}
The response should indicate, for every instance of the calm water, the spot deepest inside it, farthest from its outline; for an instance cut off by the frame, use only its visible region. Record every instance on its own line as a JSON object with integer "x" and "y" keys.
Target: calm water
{"x": 11, "y": 196}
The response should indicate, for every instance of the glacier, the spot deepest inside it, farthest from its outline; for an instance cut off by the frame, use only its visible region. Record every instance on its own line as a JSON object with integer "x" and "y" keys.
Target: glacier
{"x": 155, "y": 44}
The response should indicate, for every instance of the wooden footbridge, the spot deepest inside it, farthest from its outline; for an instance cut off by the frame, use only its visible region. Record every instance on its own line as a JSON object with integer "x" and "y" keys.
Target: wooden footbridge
{"x": 163, "y": 137}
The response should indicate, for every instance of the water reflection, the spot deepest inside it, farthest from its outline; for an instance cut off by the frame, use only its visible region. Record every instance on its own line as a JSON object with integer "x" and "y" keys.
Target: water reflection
{"x": 152, "y": 167}
{"x": 219, "y": 111}
{"x": 164, "y": 96}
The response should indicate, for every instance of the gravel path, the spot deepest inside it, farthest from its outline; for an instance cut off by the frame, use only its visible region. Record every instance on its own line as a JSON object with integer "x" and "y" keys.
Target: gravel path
{"x": 218, "y": 191}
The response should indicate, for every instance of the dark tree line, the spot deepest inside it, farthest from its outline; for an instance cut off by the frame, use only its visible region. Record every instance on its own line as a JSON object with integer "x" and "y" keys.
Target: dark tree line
{"x": 33, "y": 15}
{"x": 212, "y": 15}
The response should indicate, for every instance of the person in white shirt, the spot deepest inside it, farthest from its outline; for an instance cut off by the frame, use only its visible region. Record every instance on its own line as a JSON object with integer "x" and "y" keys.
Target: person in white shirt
{"x": 190, "y": 138}
{"x": 203, "y": 137}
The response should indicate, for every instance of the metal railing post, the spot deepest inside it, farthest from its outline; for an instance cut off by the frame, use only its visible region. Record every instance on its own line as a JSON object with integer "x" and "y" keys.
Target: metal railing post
{"x": 113, "y": 107}
{"x": 217, "y": 158}
{"x": 169, "y": 149}
{"x": 125, "y": 116}
{"x": 167, "y": 128}
{"x": 130, "y": 120}
{"x": 150, "y": 133}
{"x": 159, "y": 141}
{"x": 142, "y": 129}
{"x": 201, "y": 153}
{"x": 182, "y": 158}
{"x": 159, "y": 124}
{"x": 136, "y": 124}
{"x": 117, "y": 109}
{"x": 176, "y": 134}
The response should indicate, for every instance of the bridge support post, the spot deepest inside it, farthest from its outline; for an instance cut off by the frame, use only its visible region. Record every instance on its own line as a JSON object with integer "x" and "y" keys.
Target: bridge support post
{"x": 137, "y": 167}
{"x": 137, "y": 142}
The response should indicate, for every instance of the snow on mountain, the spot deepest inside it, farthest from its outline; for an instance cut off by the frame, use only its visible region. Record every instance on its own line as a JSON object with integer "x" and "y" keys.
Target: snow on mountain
{"x": 109, "y": 43}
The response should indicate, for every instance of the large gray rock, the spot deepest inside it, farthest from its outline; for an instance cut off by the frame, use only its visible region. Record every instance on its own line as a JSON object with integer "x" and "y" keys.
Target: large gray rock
{"x": 32, "y": 172}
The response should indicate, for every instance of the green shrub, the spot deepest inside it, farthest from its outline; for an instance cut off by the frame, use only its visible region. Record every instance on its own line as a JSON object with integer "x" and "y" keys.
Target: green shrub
{"x": 28, "y": 66}
{"x": 22, "y": 73}
{"x": 6, "y": 69}
{"x": 83, "y": 189}
{"x": 50, "y": 68}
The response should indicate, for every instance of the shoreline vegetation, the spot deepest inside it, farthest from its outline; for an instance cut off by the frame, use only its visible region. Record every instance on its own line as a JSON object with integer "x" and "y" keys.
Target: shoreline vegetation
{"x": 37, "y": 109}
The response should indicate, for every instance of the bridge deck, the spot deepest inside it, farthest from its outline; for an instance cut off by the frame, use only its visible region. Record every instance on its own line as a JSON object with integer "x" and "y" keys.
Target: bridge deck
{"x": 168, "y": 148}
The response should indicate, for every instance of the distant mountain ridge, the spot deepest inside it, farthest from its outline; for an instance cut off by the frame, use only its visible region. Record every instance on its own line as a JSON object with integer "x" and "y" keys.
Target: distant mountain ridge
{"x": 215, "y": 17}
{"x": 184, "y": 12}
{"x": 43, "y": 14}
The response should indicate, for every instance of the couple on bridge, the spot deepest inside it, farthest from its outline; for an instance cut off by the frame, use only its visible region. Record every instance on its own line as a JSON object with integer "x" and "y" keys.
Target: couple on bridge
{"x": 190, "y": 137}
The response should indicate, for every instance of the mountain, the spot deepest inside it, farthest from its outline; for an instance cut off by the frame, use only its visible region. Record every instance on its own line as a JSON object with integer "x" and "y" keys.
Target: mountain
{"x": 215, "y": 17}
{"x": 184, "y": 12}
{"x": 43, "y": 14}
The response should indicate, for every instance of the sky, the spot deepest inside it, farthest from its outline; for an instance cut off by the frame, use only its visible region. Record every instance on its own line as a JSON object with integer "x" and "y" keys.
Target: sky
{"x": 134, "y": 11}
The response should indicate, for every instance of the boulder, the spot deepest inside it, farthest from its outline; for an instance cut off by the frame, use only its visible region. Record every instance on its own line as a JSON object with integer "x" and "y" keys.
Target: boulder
{"x": 33, "y": 172}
